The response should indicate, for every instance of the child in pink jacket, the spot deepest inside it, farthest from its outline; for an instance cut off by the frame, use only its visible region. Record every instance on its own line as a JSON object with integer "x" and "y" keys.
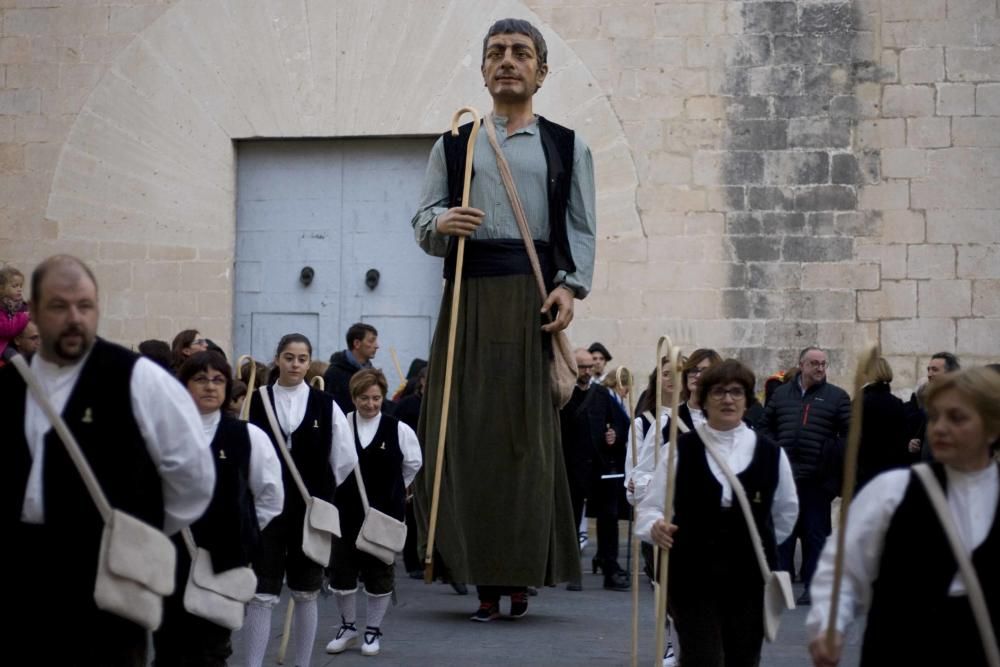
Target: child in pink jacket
{"x": 13, "y": 311}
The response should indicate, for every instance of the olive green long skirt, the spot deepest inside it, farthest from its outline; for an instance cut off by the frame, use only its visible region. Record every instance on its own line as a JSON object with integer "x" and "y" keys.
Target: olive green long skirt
{"x": 505, "y": 517}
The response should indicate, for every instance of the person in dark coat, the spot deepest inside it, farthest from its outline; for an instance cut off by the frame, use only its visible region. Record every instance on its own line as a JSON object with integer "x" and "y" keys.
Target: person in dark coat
{"x": 883, "y": 427}
{"x": 362, "y": 344}
{"x": 809, "y": 417}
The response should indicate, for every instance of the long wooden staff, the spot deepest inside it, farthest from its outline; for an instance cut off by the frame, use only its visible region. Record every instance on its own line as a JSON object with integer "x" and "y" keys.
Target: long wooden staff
{"x": 318, "y": 383}
{"x": 865, "y": 369}
{"x": 668, "y": 499}
{"x": 663, "y": 346}
{"x": 625, "y": 380}
{"x": 245, "y": 408}
{"x": 450, "y": 355}
{"x": 399, "y": 370}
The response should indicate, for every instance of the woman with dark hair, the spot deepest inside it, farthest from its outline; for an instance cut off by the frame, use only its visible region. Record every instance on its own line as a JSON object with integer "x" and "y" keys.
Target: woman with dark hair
{"x": 317, "y": 434}
{"x": 389, "y": 458}
{"x": 899, "y": 568}
{"x": 185, "y": 344}
{"x": 884, "y": 434}
{"x": 716, "y": 587}
{"x": 248, "y": 494}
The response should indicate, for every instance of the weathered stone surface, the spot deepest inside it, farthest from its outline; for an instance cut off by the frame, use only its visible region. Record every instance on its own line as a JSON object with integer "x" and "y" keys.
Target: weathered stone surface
{"x": 827, "y": 17}
{"x": 770, "y": 17}
{"x": 944, "y": 298}
{"x": 930, "y": 261}
{"x": 796, "y": 167}
{"x": 956, "y": 99}
{"x": 816, "y": 249}
{"x": 978, "y": 337}
{"x": 818, "y": 133}
{"x": 826, "y": 198}
{"x": 895, "y": 299}
{"x": 917, "y": 336}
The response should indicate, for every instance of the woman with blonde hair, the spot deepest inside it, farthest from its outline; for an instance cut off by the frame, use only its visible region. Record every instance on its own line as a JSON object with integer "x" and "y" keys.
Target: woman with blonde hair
{"x": 883, "y": 427}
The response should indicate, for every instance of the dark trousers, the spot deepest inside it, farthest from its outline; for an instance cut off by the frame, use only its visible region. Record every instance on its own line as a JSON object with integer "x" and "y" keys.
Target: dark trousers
{"x": 719, "y": 626}
{"x": 494, "y": 593}
{"x": 413, "y": 561}
{"x": 812, "y": 527}
{"x": 601, "y": 497}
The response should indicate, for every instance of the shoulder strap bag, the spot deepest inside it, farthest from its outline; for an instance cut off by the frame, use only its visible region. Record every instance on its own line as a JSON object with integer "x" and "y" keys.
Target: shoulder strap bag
{"x": 562, "y": 369}
{"x": 778, "y": 595}
{"x": 218, "y": 597}
{"x": 322, "y": 520}
{"x": 381, "y": 535}
{"x": 972, "y": 586}
{"x": 136, "y": 564}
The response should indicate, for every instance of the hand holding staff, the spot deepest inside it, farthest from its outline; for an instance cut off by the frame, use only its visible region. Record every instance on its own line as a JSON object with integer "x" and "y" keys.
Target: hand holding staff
{"x": 450, "y": 355}
{"x": 865, "y": 370}
{"x": 625, "y": 381}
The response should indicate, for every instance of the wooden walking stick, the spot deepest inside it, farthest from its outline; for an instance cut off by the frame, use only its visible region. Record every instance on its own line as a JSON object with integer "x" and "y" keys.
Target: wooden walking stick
{"x": 450, "y": 354}
{"x": 286, "y": 631}
{"x": 399, "y": 369}
{"x": 668, "y": 500}
{"x": 245, "y": 409}
{"x": 624, "y": 379}
{"x": 865, "y": 369}
{"x": 318, "y": 383}
{"x": 663, "y": 346}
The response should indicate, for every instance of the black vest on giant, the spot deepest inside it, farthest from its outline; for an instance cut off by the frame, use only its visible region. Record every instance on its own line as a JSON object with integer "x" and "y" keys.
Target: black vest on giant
{"x": 915, "y": 573}
{"x": 381, "y": 465}
{"x": 228, "y": 528}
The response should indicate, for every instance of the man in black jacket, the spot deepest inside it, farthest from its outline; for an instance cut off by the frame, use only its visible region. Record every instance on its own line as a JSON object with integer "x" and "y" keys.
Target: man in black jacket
{"x": 809, "y": 417}
{"x": 362, "y": 344}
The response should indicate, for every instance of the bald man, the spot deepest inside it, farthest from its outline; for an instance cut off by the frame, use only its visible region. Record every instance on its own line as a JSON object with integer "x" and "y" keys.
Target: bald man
{"x": 141, "y": 434}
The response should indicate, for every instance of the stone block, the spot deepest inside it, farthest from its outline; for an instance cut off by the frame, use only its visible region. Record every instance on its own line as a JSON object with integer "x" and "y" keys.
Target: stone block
{"x": 774, "y": 275}
{"x": 799, "y": 106}
{"x": 845, "y": 170}
{"x": 11, "y": 158}
{"x": 113, "y": 276}
{"x": 928, "y": 132}
{"x": 821, "y": 223}
{"x": 882, "y": 133}
{"x": 816, "y": 249}
{"x": 778, "y": 224}
{"x": 826, "y": 198}
{"x": 978, "y": 337}
{"x": 629, "y": 53}
{"x": 771, "y": 199}
{"x": 988, "y": 99}
{"x": 731, "y": 168}
{"x": 980, "y": 64}
{"x": 903, "y": 227}
{"x": 921, "y": 65}
{"x": 843, "y": 275}
{"x": 820, "y": 305}
{"x": 704, "y": 224}
{"x": 746, "y": 51}
{"x": 827, "y": 79}
{"x": 972, "y": 8}
{"x": 751, "y": 304}
{"x": 979, "y": 261}
{"x": 796, "y": 167}
{"x": 944, "y": 298}
{"x": 757, "y": 134}
{"x": 827, "y": 17}
{"x": 214, "y": 303}
{"x": 770, "y": 17}
{"x": 819, "y": 133}
{"x": 782, "y": 80}
{"x": 147, "y": 276}
{"x": 630, "y": 22}
{"x": 683, "y": 304}
{"x": 796, "y": 49}
{"x": 956, "y": 99}
{"x": 930, "y": 261}
{"x": 20, "y": 102}
{"x": 977, "y": 131}
{"x": 892, "y": 258}
{"x": 666, "y": 168}
{"x": 962, "y": 226}
{"x": 986, "y": 298}
{"x": 885, "y": 196}
{"x": 895, "y": 299}
{"x": 904, "y": 163}
{"x": 6, "y": 129}
{"x": 908, "y": 10}
{"x": 34, "y": 128}
{"x": 679, "y": 19}
{"x": 705, "y": 107}
{"x": 917, "y": 336}
{"x": 858, "y": 223}
{"x": 14, "y": 50}
{"x": 908, "y": 101}
{"x": 755, "y": 248}
{"x": 177, "y": 253}
{"x": 67, "y": 20}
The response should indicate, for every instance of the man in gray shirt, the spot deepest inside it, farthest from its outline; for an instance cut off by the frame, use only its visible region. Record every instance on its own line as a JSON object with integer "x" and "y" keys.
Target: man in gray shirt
{"x": 505, "y": 518}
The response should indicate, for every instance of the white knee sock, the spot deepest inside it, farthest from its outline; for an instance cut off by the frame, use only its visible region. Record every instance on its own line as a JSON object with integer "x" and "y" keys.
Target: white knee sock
{"x": 304, "y": 620}
{"x": 377, "y": 606}
{"x": 348, "y": 604}
{"x": 256, "y": 633}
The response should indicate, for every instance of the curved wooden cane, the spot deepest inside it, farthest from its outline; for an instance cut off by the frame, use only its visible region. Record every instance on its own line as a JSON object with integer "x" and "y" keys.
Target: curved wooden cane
{"x": 625, "y": 379}
{"x": 450, "y": 354}
{"x": 663, "y": 346}
{"x": 245, "y": 409}
{"x": 668, "y": 500}
{"x": 865, "y": 369}
{"x": 318, "y": 383}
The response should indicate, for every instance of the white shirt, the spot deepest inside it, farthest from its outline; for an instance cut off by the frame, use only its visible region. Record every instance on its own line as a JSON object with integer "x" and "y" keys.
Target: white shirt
{"x": 170, "y": 427}
{"x": 408, "y": 443}
{"x": 972, "y": 499}
{"x": 737, "y": 447}
{"x": 643, "y": 470}
{"x": 265, "y": 470}
{"x": 290, "y": 409}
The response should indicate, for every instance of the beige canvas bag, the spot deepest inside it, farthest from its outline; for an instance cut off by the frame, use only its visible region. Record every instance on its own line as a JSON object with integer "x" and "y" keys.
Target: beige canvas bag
{"x": 322, "y": 520}
{"x": 562, "y": 369}
{"x": 778, "y": 595}
{"x": 218, "y": 597}
{"x": 381, "y": 535}
{"x": 136, "y": 562}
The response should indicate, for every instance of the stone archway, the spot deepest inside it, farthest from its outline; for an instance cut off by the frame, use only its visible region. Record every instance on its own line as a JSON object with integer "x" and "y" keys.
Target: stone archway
{"x": 150, "y": 161}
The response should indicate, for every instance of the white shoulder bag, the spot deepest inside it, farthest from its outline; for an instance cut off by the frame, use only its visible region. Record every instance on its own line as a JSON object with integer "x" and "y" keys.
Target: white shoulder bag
{"x": 778, "y": 595}
{"x": 135, "y": 568}
{"x": 218, "y": 597}
{"x": 381, "y": 535}
{"x": 322, "y": 520}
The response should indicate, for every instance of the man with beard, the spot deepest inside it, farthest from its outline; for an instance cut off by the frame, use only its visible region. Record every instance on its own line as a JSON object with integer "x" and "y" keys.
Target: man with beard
{"x": 505, "y": 521}
{"x": 142, "y": 437}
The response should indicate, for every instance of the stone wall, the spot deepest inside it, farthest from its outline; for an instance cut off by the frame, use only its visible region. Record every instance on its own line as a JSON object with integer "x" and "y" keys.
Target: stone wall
{"x": 792, "y": 172}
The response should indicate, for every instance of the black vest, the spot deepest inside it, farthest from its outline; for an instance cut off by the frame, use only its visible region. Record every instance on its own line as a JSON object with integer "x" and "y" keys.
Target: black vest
{"x": 684, "y": 412}
{"x": 310, "y": 445}
{"x": 99, "y": 414}
{"x": 558, "y": 144}
{"x": 706, "y": 530}
{"x": 915, "y": 573}
{"x": 382, "y": 469}
{"x": 228, "y": 528}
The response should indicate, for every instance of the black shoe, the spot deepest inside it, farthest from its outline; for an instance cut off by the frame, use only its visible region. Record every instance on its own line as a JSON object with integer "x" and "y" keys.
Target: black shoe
{"x": 804, "y": 600}
{"x": 487, "y": 612}
{"x": 617, "y": 581}
{"x": 595, "y": 566}
{"x": 518, "y": 604}
{"x": 460, "y": 589}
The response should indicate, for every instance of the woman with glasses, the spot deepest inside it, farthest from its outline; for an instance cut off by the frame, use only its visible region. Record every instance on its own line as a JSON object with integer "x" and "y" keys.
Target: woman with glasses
{"x": 248, "y": 494}
{"x": 716, "y": 589}
{"x": 186, "y": 343}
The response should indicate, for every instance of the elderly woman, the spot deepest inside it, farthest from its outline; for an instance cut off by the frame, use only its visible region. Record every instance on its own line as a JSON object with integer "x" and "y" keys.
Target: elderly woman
{"x": 898, "y": 565}
{"x": 716, "y": 589}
